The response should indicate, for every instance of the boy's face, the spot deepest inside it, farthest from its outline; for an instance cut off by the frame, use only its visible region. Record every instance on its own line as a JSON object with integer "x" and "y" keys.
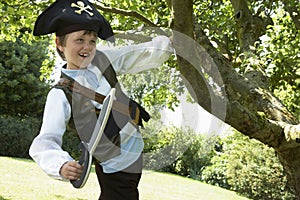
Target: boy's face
{"x": 79, "y": 49}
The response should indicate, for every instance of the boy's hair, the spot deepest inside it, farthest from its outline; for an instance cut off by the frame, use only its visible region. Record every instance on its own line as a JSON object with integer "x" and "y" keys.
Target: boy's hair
{"x": 63, "y": 39}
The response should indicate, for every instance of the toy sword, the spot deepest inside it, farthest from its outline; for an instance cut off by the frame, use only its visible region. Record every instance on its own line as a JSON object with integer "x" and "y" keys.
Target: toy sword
{"x": 89, "y": 148}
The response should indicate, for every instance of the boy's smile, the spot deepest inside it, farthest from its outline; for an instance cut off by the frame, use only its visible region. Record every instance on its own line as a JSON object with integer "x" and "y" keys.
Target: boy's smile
{"x": 79, "y": 49}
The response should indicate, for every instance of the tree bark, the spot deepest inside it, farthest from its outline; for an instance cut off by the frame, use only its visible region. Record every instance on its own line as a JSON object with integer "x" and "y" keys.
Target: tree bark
{"x": 245, "y": 102}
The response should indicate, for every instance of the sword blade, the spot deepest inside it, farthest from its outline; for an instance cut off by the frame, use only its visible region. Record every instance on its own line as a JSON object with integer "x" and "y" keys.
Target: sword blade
{"x": 101, "y": 121}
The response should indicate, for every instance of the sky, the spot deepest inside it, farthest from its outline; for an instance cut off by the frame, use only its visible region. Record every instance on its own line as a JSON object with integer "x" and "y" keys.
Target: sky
{"x": 194, "y": 116}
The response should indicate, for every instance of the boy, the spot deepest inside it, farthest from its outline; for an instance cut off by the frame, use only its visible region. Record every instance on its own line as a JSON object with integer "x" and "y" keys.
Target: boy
{"x": 77, "y": 25}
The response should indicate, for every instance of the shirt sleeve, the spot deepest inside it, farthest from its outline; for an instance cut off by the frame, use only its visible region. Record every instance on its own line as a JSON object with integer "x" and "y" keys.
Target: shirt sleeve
{"x": 46, "y": 147}
{"x": 136, "y": 58}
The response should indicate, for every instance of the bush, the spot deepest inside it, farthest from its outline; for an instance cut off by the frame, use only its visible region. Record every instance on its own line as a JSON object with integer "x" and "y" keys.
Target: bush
{"x": 215, "y": 174}
{"x": 20, "y": 65}
{"x": 249, "y": 168}
{"x": 163, "y": 147}
{"x": 16, "y": 135}
{"x": 197, "y": 156}
{"x": 176, "y": 150}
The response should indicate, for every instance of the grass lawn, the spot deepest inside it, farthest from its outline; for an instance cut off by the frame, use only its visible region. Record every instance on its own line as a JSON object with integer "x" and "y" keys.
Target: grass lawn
{"x": 23, "y": 180}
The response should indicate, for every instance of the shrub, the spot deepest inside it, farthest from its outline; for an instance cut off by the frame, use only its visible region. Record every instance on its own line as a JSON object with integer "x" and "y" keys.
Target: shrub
{"x": 16, "y": 135}
{"x": 175, "y": 150}
{"x": 215, "y": 174}
{"x": 163, "y": 147}
{"x": 249, "y": 168}
{"x": 197, "y": 156}
{"x": 20, "y": 65}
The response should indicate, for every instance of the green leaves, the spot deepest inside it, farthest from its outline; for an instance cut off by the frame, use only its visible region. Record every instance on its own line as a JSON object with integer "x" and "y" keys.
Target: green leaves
{"x": 278, "y": 55}
{"x": 18, "y": 19}
{"x": 279, "y": 51}
{"x": 158, "y": 87}
{"x": 22, "y": 93}
{"x": 249, "y": 168}
{"x": 155, "y": 11}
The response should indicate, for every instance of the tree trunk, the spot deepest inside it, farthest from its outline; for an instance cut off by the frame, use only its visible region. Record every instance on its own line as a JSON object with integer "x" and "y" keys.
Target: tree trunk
{"x": 244, "y": 102}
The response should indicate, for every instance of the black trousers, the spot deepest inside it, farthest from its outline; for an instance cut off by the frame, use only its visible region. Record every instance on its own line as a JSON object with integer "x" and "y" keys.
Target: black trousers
{"x": 121, "y": 185}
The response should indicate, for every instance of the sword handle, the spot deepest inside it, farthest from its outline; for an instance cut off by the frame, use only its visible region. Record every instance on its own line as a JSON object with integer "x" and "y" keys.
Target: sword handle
{"x": 86, "y": 161}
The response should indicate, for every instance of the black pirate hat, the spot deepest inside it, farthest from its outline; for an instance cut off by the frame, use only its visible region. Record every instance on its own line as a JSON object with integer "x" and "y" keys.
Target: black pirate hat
{"x": 66, "y": 16}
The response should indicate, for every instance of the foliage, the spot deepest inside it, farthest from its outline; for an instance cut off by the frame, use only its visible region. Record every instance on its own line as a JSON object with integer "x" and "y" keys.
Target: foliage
{"x": 176, "y": 150}
{"x": 149, "y": 87}
{"x": 279, "y": 51}
{"x": 196, "y": 157}
{"x": 215, "y": 17}
{"x": 217, "y": 20}
{"x": 155, "y": 11}
{"x": 151, "y": 90}
{"x": 216, "y": 174}
{"x": 260, "y": 175}
{"x": 276, "y": 50}
{"x": 163, "y": 146}
{"x": 16, "y": 135}
{"x": 249, "y": 168}
{"x": 18, "y": 18}
{"x": 24, "y": 63}
{"x": 19, "y": 78}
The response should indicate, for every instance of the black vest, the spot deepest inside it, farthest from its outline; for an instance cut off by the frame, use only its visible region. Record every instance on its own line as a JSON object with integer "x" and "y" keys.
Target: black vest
{"x": 84, "y": 113}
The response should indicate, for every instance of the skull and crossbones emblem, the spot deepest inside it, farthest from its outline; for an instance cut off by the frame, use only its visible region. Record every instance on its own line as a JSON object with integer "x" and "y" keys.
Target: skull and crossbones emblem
{"x": 82, "y": 8}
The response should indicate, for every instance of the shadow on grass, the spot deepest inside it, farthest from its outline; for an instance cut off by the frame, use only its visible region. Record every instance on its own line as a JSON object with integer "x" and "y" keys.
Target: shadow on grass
{"x": 2, "y": 198}
{"x": 27, "y": 160}
{"x": 64, "y": 197}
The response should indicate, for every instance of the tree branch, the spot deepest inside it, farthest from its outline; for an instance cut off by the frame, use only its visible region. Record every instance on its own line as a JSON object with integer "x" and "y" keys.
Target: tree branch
{"x": 131, "y": 14}
{"x": 126, "y": 13}
{"x": 249, "y": 26}
{"x": 132, "y": 36}
{"x": 291, "y": 133}
{"x": 243, "y": 97}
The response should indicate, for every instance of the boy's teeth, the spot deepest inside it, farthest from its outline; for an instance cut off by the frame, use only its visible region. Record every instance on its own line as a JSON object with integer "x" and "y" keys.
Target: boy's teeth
{"x": 84, "y": 54}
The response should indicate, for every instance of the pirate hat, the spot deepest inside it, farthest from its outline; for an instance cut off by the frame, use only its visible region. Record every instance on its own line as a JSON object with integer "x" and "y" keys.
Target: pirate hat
{"x": 66, "y": 16}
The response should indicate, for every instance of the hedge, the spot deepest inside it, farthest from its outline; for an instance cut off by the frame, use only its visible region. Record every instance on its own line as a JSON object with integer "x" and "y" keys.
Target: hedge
{"x": 16, "y": 135}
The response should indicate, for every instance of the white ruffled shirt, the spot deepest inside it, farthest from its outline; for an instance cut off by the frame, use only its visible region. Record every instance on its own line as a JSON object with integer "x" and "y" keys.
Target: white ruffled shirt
{"x": 46, "y": 148}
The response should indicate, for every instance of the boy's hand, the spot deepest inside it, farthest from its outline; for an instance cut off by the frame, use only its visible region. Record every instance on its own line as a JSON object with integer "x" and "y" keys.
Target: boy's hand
{"x": 71, "y": 170}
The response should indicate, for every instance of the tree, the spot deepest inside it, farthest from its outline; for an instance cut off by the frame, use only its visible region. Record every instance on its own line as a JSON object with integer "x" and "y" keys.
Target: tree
{"x": 251, "y": 72}
{"x": 243, "y": 55}
{"x": 252, "y": 108}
